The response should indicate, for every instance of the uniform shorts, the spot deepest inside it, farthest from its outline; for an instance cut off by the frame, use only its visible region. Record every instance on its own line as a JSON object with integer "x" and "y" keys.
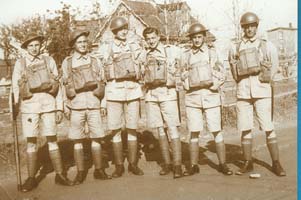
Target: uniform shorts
{"x": 35, "y": 123}
{"x": 78, "y": 120}
{"x": 195, "y": 121}
{"x": 262, "y": 108}
{"x": 160, "y": 113}
{"x": 123, "y": 111}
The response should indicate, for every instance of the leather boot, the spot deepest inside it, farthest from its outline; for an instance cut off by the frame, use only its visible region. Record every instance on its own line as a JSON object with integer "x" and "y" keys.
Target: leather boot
{"x": 223, "y": 168}
{"x": 247, "y": 167}
{"x": 80, "y": 177}
{"x": 132, "y": 158}
{"x": 61, "y": 176}
{"x": 177, "y": 157}
{"x": 221, "y": 154}
{"x": 31, "y": 182}
{"x": 118, "y": 159}
{"x": 165, "y": 169}
{"x": 79, "y": 160}
{"x": 246, "y": 144}
{"x": 277, "y": 168}
{"x": 164, "y": 146}
{"x": 177, "y": 171}
{"x": 101, "y": 174}
{"x": 191, "y": 169}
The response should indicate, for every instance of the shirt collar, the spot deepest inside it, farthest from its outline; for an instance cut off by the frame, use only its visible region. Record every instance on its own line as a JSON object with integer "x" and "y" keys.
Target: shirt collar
{"x": 245, "y": 39}
{"x": 200, "y": 49}
{"x": 159, "y": 48}
{"x": 33, "y": 58}
{"x": 119, "y": 42}
{"x": 79, "y": 56}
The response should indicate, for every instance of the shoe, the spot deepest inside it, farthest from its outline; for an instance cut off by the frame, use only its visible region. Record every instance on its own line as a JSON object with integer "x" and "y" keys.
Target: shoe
{"x": 61, "y": 179}
{"x": 119, "y": 170}
{"x": 29, "y": 184}
{"x": 135, "y": 170}
{"x": 225, "y": 169}
{"x": 101, "y": 174}
{"x": 177, "y": 172}
{"x": 191, "y": 169}
{"x": 166, "y": 168}
{"x": 277, "y": 168}
{"x": 247, "y": 167}
{"x": 80, "y": 177}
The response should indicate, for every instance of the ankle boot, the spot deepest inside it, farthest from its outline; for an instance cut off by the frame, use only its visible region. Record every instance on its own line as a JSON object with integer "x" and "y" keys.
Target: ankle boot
{"x": 118, "y": 159}
{"x": 132, "y": 158}
{"x": 191, "y": 169}
{"x": 61, "y": 176}
{"x": 277, "y": 168}
{"x": 177, "y": 172}
{"x": 247, "y": 167}
{"x": 80, "y": 177}
{"x": 29, "y": 184}
{"x": 165, "y": 169}
{"x": 223, "y": 168}
{"x": 101, "y": 174}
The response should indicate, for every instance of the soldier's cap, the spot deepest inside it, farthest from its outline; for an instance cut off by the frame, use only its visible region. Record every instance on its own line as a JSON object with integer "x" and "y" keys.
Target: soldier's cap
{"x": 76, "y": 34}
{"x": 31, "y": 37}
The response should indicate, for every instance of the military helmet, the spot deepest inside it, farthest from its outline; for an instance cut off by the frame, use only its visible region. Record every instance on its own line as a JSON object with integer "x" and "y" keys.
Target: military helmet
{"x": 118, "y": 22}
{"x": 31, "y": 37}
{"x": 249, "y": 18}
{"x": 76, "y": 34}
{"x": 196, "y": 28}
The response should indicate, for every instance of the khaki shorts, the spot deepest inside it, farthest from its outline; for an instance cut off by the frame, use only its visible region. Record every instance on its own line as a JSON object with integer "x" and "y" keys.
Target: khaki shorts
{"x": 262, "y": 107}
{"x": 35, "y": 123}
{"x": 159, "y": 113}
{"x": 78, "y": 120}
{"x": 123, "y": 111}
{"x": 195, "y": 119}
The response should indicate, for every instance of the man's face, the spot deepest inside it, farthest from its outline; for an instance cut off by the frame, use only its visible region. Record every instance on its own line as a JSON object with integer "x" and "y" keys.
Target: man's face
{"x": 152, "y": 39}
{"x": 81, "y": 44}
{"x": 122, "y": 33}
{"x": 250, "y": 30}
{"x": 34, "y": 47}
{"x": 197, "y": 40}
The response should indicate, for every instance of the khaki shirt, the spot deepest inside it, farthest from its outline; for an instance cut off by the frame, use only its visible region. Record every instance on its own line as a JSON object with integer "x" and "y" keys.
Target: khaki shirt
{"x": 203, "y": 98}
{"x": 83, "y": 100}
{"x": 121, "y": 90}
{"x": 39, "y": 102}
{"x": 251, "y": 87}
{"x": 171, "y": 54}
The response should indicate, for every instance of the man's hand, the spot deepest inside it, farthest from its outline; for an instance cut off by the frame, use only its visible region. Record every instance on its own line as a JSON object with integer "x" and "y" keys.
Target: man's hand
{"x": 103, "y": 112}
{"x": 67, "y": 114}
{"x": 214, "y": 87}
{"x": 58, "y": 116}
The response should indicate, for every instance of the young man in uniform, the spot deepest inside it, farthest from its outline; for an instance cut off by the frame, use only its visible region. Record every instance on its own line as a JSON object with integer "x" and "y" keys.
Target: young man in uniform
{"x": 203, "y": 75}
{"x": 123, "y": 93}
{"x": 161, "y": 97}
{"x": 38, "y": 93}
{"x": 84, "y": 89}
{"x": 254, "y": 91}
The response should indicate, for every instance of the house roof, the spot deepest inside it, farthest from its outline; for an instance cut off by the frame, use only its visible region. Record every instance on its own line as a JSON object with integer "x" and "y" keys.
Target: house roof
{"x": 282, "y": 28}
{"x": 142, "y": 8}
{"x": 174, "y": 6}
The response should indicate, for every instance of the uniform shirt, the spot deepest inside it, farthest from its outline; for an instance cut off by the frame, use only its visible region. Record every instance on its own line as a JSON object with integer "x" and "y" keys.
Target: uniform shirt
{"x": 40, "y": 102}
{"x": 121, "y": 90}
{"x": 203, "y": 98}
{"x": 251, "y": 87}
{"x": 170, "y": 53}
{"x": 83, "y": 100}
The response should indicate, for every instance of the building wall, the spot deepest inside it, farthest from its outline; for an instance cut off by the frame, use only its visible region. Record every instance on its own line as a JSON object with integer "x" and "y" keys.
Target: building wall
{"x": 285, "y": 41}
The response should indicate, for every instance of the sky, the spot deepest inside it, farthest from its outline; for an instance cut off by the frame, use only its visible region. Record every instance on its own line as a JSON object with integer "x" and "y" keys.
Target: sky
{"x": 217, "y": 15}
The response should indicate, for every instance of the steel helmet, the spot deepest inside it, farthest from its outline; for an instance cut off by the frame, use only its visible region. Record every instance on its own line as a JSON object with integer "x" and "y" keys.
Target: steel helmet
{"x": 249, "y": 18}
{"x": 118, "y": 22}
{"x": 196, "y": 28}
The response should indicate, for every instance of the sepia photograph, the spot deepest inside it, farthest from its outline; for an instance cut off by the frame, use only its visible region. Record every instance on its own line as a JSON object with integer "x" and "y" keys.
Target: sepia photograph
{"x": 148, "y": 99}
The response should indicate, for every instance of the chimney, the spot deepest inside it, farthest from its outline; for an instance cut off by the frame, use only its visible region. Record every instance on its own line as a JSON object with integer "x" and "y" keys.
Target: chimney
{"x": 290, "y": 25}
